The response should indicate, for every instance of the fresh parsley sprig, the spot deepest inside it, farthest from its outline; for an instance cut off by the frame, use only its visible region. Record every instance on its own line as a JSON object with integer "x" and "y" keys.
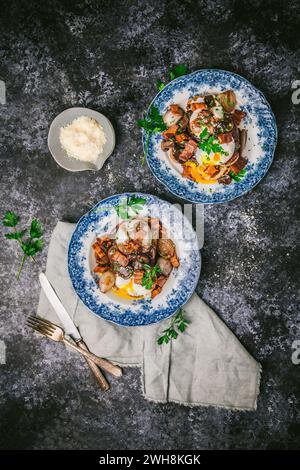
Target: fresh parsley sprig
{"x": 209, "y": 143}
{"x": 151, "y": 123}
{"x": 177, "y": 71}
{"x": 32, "y": 245}
{"x": 150, "y": 275}
{"x": 239, "y": 176}
{"x": 178, "y": 325}
{"x": 134, "y": 202}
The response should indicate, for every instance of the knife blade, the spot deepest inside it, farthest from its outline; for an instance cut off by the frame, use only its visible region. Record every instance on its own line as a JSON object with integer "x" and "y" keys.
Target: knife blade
{"x": 62, "y": 313}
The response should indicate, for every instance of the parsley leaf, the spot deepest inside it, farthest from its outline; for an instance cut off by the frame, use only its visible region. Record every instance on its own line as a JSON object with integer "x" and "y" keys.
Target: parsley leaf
{"x": 36, "y": 229}
{"x": 209, "y": 143}
{"x": 15, "y": 235}
{"x": 10, "y": 219}
{"x": 178, "y": 71}
{"x": 134, "y": 202}
{"x": 30, "y": 246}
{"x": 239, "y": 176}
{"x": 152, "y": 123}
{"x": 160, "y": 85}
{"x": 150, "y": 275}
{"x": 178, "y": 325}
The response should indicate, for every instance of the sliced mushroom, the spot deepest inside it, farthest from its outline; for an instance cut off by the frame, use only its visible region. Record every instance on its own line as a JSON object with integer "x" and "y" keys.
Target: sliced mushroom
{"x": 165, "y": 266}
{"x": 165, "y": 247}
{"x": 106, "y": 281}
{"x": 243, "y": 139}
{"x": 228, "y": 100}
{"x": 166, "y": 145}
{"x": 140, "y": 261}
{"x": 225, "y": 179}
{"x": 236, "y": 137}
{"x": 233, "y": 159}
{"x": 126, "y": 273}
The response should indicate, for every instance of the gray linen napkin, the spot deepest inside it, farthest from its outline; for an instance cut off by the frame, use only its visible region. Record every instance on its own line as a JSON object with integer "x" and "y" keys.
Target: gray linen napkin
{"x": 205, "y": 366}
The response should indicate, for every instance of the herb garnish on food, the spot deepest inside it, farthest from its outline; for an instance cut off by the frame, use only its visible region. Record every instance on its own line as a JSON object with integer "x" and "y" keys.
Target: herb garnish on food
{"x": 150, "y": 275}
{"x": 134, "y": 202}
{"x": 239, "y": 176}
{"x": 209, "y": 143}
{"x": 32, "y": 245}
{"x": 152, "y": 123}
{"x": 178, "y": 325}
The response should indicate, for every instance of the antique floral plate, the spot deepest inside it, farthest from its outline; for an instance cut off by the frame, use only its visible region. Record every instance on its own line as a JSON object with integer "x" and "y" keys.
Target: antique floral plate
{"x": 179, "y": 287}
{"x": 260, "y": 123}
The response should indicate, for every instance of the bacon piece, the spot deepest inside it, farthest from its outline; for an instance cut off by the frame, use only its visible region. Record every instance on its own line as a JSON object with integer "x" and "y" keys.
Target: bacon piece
{"x": 187, "y": 172}
{"x": 119, "y": 258}
{"x": 238, "y": 165}
{"x": 138, "y": 276}
{"x": 188, "y": 151}
{"x": 181, "y": 137}
{"x": 161, "y": 280}
{"x": 100, "y": 269}
{"x": 175, "y": 108}
{"x": 170, "y": 132}
{"x": 128, "y": 247}
{"x": 225, "y": 138}
{"x": 237, "y": 116}
{"x": 174, "y": 261}
{"x": 211, "y": 170}
{"x": 101, "y": 257}
{"x": 195, "y": 106}
{"x": 155, "y": 291}
{"x": 104, "y": 240}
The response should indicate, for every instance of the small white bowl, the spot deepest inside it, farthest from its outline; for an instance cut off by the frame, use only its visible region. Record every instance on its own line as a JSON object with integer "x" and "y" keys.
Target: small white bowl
{"x": 61, "y": 156}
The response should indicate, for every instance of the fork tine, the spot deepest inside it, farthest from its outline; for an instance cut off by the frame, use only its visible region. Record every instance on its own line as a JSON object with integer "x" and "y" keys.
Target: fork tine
{"x": 42, "y": 320}
{"x": 42, "y": 328}
{"x": 36, "y": 328}
{"x": 42, "y": 323}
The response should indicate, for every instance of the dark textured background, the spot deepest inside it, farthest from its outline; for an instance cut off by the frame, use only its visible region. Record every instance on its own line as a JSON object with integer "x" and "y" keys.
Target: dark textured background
{"x": 107, "y": 56}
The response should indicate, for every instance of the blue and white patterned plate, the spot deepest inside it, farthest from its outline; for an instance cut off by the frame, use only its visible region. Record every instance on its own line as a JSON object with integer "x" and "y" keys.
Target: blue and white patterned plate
{"x": 102, "y": 219}
{"x": 260, "y": 123}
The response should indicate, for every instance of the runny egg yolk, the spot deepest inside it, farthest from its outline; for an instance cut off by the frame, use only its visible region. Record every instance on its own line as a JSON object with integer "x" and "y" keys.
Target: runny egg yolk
{"x": 211, "y": 160}
{"x": 217, "y": 157}
{"x": 197, "y": 172}
{"x": 126, "y": 291}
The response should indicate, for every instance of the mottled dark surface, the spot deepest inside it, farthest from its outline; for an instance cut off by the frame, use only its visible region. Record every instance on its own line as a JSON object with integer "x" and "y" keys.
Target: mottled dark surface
{"x": 107, "y": 56}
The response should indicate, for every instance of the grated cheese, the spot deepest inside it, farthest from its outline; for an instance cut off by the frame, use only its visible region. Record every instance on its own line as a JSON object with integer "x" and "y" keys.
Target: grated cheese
{"x": 83, "y": 139}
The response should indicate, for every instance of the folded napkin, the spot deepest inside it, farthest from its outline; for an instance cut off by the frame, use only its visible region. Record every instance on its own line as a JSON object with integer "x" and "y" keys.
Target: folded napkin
{"x": 206, "y": 365}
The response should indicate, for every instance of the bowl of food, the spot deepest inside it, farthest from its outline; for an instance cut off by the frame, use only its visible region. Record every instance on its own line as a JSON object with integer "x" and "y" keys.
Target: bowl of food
{"x": 134, "y": 259}
{"x": 81, "y": 139}
{"x": 218, "y": 140}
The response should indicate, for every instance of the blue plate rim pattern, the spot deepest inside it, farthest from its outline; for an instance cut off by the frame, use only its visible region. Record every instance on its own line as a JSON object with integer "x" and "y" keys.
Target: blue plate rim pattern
{"x": 126, "y": 319}
{"x": 182, "y": 188}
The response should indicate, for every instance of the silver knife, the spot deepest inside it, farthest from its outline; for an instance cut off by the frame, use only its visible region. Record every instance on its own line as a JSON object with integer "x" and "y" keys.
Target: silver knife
{"x": 62, "y": 313}
{"x": 73, "y": 332}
